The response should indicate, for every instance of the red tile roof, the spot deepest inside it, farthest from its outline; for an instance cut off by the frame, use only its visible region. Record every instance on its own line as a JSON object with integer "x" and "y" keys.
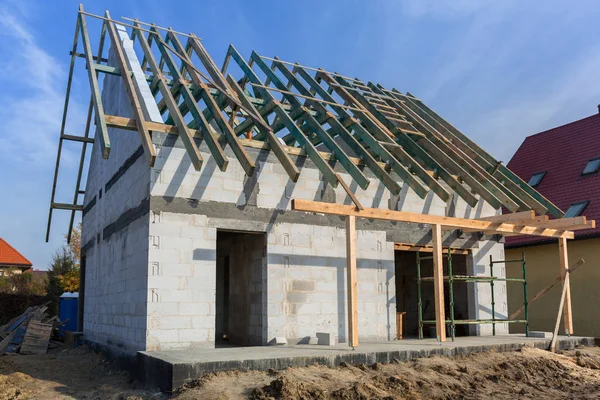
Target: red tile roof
{"x": 563, "y": 153}
{"x": 11, "y": 257}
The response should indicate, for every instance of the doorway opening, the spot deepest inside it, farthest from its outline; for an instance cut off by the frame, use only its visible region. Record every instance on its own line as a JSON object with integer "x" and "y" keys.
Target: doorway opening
{"x": 241, "y": 289}
{"x": 407, "y": 298}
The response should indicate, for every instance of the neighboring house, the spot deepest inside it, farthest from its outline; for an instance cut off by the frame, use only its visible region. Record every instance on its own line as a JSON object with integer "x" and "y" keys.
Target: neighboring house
{"x": 11, "y": 260}
{"x": 563, "y": 164}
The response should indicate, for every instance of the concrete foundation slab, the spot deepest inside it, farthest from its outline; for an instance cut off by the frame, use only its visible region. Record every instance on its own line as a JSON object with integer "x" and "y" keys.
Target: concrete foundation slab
{"x": 171, "y": 369}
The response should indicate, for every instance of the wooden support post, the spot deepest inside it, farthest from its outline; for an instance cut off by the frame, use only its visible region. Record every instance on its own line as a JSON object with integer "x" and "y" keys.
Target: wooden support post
{"x": 351, "y": 280}
{"x": 564, "y": 265}
{"x": 438, "y": 282}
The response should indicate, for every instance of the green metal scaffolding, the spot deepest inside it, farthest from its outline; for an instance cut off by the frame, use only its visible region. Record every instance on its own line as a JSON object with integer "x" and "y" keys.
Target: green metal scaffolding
{"x": 451, "y": 278}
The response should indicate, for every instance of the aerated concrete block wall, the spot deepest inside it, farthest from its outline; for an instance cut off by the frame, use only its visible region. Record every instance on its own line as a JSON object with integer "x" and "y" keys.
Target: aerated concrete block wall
{"x": 115, "y": 223}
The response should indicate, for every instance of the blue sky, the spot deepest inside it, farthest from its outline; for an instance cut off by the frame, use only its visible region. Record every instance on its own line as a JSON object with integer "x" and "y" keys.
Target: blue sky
{"x": 497, "y": 70}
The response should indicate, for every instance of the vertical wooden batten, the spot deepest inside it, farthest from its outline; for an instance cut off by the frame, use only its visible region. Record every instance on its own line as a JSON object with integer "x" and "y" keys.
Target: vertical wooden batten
{"x": 564, "y": 262}
{"x": 438, "y": 282}
{"x": 351, "y": 280}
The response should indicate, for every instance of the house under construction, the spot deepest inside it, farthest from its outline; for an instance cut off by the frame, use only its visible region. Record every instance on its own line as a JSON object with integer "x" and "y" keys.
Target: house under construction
{"x": 262, "y": 201}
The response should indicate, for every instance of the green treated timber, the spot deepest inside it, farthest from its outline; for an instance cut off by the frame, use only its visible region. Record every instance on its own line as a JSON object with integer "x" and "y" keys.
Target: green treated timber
{"x": 277, "y": 148}
{"x": 95, "y": 88}
{"x": 264, "y": 112}
{"x": 458, "y": 163}
{"x": 328, "y": 173}
{"x": 501, "y": 170}
{"x": 338, "y": 128}
{"x": 188, "y": 142}
{"x": 208, "y": 62}
{"x": 165, "y": 91}
{"x": 364, "y": 135}
{"x": 328, "y": 141}
{"x": 382, "y": 137}
{"x": 240, "y": 152}
{"x": 373, "y": 135}
{"x": 514, "y": 191}
{"x": 415, "y": 150}
{"x": 136, "y": 108}
{"x": 430, "y": 154}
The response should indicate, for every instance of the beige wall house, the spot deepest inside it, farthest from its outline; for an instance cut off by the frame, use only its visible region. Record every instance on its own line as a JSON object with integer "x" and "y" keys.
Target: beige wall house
{"x": 562, "y": 164}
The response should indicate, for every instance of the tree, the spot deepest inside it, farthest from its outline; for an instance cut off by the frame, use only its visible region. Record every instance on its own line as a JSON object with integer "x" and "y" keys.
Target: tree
{"x": 62, "y": 265}
{"x": 75, "y": 244}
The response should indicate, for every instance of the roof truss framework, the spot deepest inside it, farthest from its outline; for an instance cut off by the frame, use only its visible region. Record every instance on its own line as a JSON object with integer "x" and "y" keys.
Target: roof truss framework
{"x": 290, "y": 109}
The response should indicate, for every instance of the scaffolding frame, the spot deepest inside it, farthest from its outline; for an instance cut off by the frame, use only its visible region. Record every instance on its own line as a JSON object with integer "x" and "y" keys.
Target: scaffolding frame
{"x": 451, "y": 278}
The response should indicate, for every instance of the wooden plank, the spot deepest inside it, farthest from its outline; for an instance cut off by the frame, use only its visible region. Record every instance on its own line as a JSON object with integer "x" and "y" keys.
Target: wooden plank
{"x": 36, "y": 338}
{"x": 561, "y": 306}
{"x": 564, "y": 265}
{"x": 136, "y": 108}
{"x": 351, "y": 281}
{"x": 400, "y": 324}
{"x": 201, "y": 87}
{"x": 568, "y": 226}
{"x": 542, "y": 292}
{"x": 447, "y": 222}
{"x": 516, "y": 216}
{"x": 572, "y": 224}
{"x": 438, "y": 282}
{"x": 95, "y": 88}
{"x": 129, "y": 124}
{"x": 428, "y": 249}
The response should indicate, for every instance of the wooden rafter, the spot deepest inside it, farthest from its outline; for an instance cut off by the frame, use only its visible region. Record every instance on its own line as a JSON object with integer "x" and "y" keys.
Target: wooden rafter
{"x": 326, "y": 116}
{"x": 117, "y": 47}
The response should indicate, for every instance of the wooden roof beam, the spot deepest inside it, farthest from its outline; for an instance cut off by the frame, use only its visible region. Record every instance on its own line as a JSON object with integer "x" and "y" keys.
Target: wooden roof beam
{"x": 445, "y": 222}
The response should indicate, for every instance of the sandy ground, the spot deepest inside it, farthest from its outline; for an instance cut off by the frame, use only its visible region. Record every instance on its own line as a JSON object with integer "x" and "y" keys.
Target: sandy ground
{"x": 529, "y": 373}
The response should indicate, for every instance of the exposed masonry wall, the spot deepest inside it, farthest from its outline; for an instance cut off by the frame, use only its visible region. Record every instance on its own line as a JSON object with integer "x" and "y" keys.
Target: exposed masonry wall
{"x": 115, "y": 229}
{"x": 305, "y": 285}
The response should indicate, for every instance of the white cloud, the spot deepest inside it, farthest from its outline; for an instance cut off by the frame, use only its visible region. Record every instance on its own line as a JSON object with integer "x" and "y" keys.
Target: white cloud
{"x": 566, "y": 98}
{"x": 33, "y": 104}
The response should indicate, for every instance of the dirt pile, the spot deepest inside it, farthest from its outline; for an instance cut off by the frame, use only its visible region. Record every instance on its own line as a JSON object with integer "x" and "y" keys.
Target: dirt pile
{"x": 529, "y": 373}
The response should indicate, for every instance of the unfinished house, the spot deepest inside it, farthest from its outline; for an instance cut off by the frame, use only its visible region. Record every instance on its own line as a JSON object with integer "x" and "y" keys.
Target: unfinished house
{"x": 264, "y": 202}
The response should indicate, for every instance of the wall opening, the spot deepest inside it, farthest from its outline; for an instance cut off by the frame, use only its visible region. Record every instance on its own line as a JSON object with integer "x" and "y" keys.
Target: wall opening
{"x": 407, "y": 294}
{"x": 241, "y": 289}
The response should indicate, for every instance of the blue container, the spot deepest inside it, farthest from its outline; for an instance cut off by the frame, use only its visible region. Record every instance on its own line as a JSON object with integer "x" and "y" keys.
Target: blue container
{"x": 68, "y": 309}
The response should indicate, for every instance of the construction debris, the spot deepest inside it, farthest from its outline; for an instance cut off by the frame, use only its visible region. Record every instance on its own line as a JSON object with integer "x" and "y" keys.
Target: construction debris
{"x": 30, "y": 332}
